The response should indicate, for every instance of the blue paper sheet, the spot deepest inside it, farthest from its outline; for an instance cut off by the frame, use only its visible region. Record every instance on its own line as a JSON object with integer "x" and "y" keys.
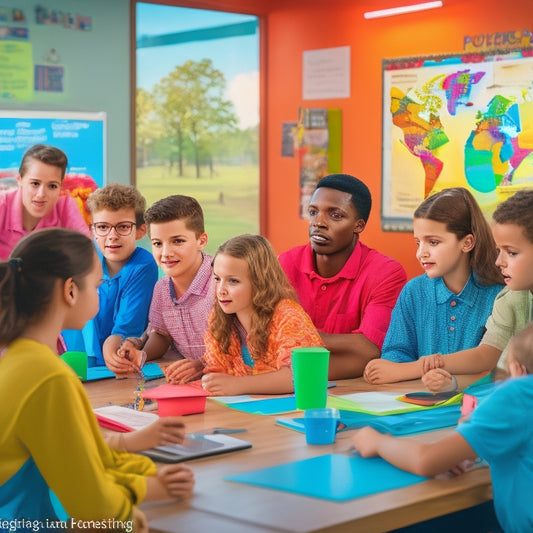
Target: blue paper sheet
{"x": 331, "y": 477}
{"x": 482, "y": 390}
{"x": 268, "y": 406}
{"x": 150, "y": 371}
{"x": 401, "y": 424}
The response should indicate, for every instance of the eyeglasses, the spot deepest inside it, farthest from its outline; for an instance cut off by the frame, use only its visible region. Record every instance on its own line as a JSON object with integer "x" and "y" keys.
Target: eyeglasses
{"x": 122, "y": 228}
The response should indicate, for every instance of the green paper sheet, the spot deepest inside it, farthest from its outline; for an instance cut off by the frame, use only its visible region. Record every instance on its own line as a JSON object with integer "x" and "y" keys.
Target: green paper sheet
{"x": 382, "y": 403}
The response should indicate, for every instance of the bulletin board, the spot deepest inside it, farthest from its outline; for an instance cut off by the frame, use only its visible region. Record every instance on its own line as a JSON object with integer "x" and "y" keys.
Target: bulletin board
{"x": 60, "y": 56}
{"x": 455, "y": 120}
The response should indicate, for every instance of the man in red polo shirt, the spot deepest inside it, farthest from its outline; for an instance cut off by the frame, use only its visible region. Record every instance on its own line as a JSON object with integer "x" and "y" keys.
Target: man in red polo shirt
{"x": 347, "y": 289}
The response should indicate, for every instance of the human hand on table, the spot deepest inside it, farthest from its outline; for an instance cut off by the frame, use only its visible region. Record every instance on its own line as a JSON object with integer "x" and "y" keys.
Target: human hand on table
{"x": 128, "y": 359}
{"x": 464, "y": 466}
{"x": 184, "y": 370}
{"x": 430, "y": 362}
{"x": 177, "y": 480}
{"x": 379, "y": 371}
{"x": 217, "y": 384}
{"x": 437, "y": 380}
{"x": 140, "y": 523}
{"x": 164, "y": 431}
{"x": 366, "y": 441}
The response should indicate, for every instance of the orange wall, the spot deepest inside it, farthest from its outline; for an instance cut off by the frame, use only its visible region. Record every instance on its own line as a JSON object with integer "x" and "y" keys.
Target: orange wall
{"x": 288, "y": 28}
{"x": 297, "y": 25}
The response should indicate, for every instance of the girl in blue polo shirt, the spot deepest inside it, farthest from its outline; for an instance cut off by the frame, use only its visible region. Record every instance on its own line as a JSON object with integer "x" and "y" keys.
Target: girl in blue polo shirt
{"x": 444, "y": 310}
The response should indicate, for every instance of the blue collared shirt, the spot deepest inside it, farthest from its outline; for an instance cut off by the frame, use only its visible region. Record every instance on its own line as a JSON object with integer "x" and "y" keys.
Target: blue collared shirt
{"x": 123, "y": 308}
{"x": 428, "y": 318}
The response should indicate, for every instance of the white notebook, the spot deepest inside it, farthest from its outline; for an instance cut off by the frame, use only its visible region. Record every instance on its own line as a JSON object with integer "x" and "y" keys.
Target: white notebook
{"x": 196, "y": 445}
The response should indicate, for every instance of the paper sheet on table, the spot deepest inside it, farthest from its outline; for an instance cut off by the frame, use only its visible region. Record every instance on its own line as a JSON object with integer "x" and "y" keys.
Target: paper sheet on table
{"x": 268, "y": 406}
{"x": 382, "y": 403}
{"x": 331, "y": 477}
{"x": 397, "y": 424}
{"x": 231, "y": 399}
{"x": 150, "y": 371}
{"x": 120, "y": 418}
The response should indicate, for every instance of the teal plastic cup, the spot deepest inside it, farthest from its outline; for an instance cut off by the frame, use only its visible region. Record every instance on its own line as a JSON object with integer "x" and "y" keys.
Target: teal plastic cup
{"x": 78, "y": 362}
{"x": 310, "y": 376}
{"x": 321, "y": 425}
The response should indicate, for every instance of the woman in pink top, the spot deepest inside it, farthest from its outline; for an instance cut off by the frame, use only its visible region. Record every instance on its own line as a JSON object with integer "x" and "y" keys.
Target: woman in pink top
{"x": 37, "y": 203}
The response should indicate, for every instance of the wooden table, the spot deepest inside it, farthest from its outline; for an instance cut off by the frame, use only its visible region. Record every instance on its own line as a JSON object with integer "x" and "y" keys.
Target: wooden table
{"x": 228, "y": 507}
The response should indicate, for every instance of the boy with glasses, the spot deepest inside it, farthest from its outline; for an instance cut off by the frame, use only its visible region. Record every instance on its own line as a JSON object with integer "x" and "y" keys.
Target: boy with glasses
{"x": 129, "y": 272}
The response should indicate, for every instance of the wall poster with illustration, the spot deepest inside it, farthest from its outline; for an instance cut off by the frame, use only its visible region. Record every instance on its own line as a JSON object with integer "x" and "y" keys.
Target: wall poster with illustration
{"x": 455, "y": 120}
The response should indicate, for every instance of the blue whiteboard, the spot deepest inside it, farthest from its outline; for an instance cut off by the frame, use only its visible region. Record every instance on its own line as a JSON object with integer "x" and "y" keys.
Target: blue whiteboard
{"x": 80, "y": 135}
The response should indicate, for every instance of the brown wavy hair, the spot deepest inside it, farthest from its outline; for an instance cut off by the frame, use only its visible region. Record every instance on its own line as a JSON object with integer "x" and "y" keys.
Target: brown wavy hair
{"x": 458, "y": 209}
{"x": 269, "y": 286}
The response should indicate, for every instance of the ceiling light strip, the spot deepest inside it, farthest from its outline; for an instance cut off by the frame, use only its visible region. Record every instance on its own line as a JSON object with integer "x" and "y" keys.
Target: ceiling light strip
{"x": 402, "y": 9}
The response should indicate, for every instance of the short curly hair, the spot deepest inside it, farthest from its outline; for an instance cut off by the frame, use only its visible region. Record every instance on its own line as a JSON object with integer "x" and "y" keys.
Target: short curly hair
{"x": 518, "y": 209}
{"x": 116, "y": 196}
{"x": 361, "y": 197}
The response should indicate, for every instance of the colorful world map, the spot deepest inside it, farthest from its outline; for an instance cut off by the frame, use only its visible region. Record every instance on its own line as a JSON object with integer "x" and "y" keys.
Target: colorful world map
{"x": 451, "y": 123}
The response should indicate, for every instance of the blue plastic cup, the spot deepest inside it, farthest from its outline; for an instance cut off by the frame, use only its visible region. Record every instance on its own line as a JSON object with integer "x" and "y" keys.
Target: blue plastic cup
{"x": 321, "y": 425}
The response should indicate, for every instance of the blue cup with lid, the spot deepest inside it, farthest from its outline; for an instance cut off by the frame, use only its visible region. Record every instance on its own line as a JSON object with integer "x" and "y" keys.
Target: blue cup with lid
{"x": 321, "y": 425}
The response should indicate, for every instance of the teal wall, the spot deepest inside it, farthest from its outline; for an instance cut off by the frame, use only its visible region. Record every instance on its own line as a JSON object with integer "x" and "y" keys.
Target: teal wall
{"x": 97, "y": 68}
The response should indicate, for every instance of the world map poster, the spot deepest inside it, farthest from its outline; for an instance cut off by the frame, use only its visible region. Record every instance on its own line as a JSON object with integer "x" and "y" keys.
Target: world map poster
{"x": 455, "y": 121}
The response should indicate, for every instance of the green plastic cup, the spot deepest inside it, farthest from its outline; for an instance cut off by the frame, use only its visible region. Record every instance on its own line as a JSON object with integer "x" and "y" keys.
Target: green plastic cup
{"x": 310, "y": 376}
{"x": 78, "y": 362}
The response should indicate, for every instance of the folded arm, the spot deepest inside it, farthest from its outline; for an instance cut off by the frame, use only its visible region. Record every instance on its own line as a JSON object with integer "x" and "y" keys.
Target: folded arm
{"x": 482, "y": 358}
{"x": 276, "y": 382}
{"x": 349, "y": 354}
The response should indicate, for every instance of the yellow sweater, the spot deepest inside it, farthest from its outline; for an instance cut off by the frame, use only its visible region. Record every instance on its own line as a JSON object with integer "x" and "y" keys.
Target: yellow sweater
{"x": 46, "y": 416}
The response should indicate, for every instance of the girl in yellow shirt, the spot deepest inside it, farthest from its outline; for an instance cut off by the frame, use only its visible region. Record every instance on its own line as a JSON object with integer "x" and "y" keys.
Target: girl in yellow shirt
{"x": 50, "y": 440}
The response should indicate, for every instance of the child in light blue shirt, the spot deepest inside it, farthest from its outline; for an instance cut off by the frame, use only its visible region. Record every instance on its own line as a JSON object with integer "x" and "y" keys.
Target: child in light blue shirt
{"x": 499, "y": 430}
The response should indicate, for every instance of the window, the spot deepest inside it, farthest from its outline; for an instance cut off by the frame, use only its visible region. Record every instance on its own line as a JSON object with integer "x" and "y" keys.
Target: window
{"x": 197, "y": 113}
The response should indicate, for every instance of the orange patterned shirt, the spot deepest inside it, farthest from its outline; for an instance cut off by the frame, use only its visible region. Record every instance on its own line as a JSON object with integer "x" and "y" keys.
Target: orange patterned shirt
{"x": 290, "y": 328}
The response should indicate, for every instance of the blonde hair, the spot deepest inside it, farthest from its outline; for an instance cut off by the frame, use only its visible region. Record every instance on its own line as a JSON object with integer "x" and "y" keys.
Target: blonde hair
{"x": 116, "y": 196}
{"x": 269, "y": 286}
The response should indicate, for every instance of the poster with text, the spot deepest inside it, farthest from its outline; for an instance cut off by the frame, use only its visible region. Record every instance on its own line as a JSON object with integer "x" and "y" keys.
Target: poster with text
{"x": 80, "y": 135}
{"x": 455, "y": 121}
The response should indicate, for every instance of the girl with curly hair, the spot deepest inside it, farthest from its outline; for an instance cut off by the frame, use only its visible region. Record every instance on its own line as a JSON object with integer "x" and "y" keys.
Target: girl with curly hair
{"x": 255, "y": 322}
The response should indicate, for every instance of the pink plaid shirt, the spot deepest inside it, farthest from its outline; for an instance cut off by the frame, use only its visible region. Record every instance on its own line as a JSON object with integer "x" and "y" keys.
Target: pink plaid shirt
{"x": 184, "y": 320}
